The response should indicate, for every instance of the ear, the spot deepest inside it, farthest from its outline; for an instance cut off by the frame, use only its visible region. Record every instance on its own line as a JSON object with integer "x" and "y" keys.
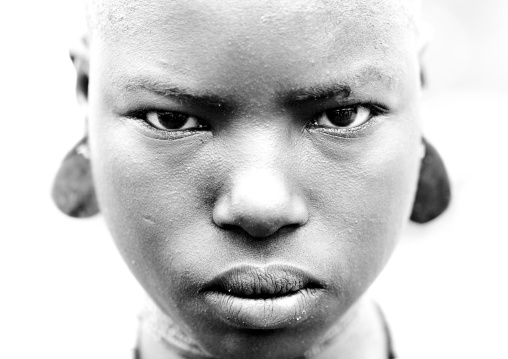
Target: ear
{"x": 73, "y": 189}
{"x": 80, "y": 56}
{"x": 423, "y": 37}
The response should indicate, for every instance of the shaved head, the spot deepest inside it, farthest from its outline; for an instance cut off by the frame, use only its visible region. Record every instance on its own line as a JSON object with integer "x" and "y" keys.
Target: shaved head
{"x": 106, "y": 16}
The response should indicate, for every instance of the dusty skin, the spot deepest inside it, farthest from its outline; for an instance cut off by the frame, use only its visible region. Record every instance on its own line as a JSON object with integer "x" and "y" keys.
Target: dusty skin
{"x": 254, "y": 177}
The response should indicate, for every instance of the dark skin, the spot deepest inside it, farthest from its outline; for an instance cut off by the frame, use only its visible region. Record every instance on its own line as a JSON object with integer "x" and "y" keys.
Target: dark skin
{"x": 271, "y": 137}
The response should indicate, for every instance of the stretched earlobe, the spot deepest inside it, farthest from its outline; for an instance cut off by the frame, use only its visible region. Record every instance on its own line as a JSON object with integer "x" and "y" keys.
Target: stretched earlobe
{"x": 433, "y": 194}
{"x": 73, "y": 190}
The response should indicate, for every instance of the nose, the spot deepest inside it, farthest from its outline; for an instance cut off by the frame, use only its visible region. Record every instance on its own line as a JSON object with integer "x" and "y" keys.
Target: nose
{"x": 260, "y": 203}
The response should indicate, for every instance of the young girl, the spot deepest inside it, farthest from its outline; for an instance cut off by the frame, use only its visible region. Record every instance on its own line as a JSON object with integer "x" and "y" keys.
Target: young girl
{"x": 255, "y": 163}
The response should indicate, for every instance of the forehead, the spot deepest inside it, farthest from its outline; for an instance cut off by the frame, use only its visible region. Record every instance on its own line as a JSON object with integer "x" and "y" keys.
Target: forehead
{"x": 114, "y": 11}
{"x": 242, "y": 39}
{"x": 108, "y": 18}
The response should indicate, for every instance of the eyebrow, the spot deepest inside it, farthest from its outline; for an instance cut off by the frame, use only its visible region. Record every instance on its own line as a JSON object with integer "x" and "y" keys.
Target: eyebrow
{"x": 292, "y": 97}
{"x": 343, "y": 89}
{"x": 317, "y": 92}
{"x": 204, "y": 98}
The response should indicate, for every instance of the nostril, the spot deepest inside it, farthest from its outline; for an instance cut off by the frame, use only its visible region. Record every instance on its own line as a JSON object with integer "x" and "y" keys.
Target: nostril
{"x": 264, "y": 232}
{"x": 261, "y": 228}
{"x": 256, "y": 229}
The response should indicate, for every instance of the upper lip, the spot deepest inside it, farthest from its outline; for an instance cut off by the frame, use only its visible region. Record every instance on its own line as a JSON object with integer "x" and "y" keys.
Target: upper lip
{"x": 261, "y": 282}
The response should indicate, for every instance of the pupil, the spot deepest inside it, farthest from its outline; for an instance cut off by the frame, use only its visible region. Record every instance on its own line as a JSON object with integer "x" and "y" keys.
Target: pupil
{"x": 172, "y": 120}
{"x": 342, "y": 117}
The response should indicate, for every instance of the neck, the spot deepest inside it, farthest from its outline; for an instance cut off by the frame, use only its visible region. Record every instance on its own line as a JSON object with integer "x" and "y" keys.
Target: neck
{"x": 360, "y": 334}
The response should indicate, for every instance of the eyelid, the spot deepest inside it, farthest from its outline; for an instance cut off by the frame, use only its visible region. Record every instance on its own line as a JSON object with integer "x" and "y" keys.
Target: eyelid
{"x": 143, "y": 114}
{"x": 376, "y": 109}
{"x": 154, "y": 118}
{"x": 140, "y": 116}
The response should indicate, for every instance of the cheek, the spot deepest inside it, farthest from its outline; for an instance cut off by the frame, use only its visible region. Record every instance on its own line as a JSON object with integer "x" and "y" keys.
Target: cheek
{"x": 362, "y": 195}
{"x": 148, "y": 194}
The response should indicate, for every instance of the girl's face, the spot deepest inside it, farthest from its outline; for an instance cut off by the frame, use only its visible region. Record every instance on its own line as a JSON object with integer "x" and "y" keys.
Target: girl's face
{"x": 255, "y": 161}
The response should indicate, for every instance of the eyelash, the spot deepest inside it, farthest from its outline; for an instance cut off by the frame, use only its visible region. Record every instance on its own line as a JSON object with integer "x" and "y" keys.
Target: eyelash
{"x": 375, "y": 111}
{"x": 142, "y": 117}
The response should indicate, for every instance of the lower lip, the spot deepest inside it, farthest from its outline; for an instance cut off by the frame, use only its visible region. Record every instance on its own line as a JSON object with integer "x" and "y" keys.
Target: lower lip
{"x": 269, "y": 313}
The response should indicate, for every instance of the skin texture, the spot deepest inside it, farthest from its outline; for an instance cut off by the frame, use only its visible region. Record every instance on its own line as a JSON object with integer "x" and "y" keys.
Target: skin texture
{"x": 260, "y": 184}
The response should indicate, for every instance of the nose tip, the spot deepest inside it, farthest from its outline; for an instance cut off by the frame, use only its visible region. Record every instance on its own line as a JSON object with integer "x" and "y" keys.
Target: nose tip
{"x": 260, "y": 204}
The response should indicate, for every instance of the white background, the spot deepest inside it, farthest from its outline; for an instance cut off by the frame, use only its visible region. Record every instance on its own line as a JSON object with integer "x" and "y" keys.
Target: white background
{"x": 65, "y": 292}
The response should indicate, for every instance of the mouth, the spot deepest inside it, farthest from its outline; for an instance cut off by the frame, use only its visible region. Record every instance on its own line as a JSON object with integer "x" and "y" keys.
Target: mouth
{"x": 263, "y": 297}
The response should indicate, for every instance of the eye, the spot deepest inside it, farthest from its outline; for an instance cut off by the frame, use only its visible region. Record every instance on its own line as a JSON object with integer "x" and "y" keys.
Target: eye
{"x": 345, "y": 117}
{"x": 171, "y": 121}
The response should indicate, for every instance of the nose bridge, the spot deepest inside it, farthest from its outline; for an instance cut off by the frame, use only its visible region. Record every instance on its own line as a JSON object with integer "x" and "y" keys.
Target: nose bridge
{"x": 262, "y": 161}
{"x": 261, "y": 195}
{"x": 261, "y": 150}
{"x": 264, "y": 148}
